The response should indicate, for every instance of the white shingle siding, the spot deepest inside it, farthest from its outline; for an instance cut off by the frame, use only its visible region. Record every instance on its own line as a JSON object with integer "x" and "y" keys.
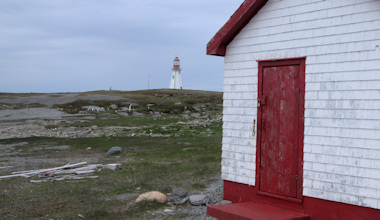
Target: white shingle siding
{"x": 341, "y": 42}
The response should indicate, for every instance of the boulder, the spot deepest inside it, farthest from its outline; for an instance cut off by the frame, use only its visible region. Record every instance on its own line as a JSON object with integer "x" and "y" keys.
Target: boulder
{"x": 152, "y": 196}
{"x": 179, "y": 192}
{"x": 182, "y": 201}
{"x": 198, "y": 200}
{"x": 114, "y": 150}
{"x": 113, "y": 107}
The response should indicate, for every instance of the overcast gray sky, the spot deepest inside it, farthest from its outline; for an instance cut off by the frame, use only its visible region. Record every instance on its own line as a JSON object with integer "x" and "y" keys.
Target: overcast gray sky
{"x": 86, "y": 45}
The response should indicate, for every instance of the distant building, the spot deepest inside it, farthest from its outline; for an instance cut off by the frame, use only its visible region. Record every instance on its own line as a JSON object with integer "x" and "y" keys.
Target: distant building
{"x": 175, "y": 81}
{"x": 301, "y": 110}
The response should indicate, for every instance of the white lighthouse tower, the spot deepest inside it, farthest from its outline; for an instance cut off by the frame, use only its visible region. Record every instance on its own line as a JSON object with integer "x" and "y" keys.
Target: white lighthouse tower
{"x": 175, "y": 81}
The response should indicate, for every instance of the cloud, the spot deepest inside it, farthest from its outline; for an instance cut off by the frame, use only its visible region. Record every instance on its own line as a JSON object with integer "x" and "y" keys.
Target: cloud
{"x": 70, "y": 45}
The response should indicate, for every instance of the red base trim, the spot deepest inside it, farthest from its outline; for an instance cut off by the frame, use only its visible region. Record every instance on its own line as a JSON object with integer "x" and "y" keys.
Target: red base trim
{"x": 253, "y": 211}
{"x": 318, "y": 209}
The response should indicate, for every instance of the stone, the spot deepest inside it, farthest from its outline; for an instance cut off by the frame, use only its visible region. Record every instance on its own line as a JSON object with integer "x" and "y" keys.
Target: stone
{"x": 183, "y": 143}
{"x": 198, "y": 200}
{"x": 195, "y": 115}
{"x": 137, "y": 114}
{"x": 197, "y": 108}
{"x": 114, "y": 150}
{"x": 182, "y": 201}
{"x": 63, "y": 147}
{"x": 124, "y": 114}
{"x": 152, "y": 196}
{"x": 179, "y": 192}
{"x": 113, "y": 106}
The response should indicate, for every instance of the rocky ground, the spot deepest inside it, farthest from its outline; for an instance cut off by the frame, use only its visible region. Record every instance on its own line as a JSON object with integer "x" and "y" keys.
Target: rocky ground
{"x": 46, "y": 115}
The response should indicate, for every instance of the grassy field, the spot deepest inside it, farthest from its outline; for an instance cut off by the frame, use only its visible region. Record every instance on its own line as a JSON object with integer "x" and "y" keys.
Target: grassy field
{"x": 182, "y": 154}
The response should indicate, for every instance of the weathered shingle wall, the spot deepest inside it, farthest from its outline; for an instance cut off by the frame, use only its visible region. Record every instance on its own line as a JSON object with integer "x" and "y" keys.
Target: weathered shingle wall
{"x": 341, "y": 42}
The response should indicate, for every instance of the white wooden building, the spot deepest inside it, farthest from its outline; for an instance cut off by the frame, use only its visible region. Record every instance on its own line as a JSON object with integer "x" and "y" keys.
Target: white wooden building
{"x": 317, "y": 152}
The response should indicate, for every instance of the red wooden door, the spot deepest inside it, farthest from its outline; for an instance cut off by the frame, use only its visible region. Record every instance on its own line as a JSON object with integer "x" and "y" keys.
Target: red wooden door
{"x": 280, "y": 128}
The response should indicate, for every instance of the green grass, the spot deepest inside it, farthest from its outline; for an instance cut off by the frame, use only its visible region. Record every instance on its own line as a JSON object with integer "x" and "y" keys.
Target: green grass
{"x": 187, "y": 158}
{"x": 164, "y": 101}
{"x": 148, "y": 164}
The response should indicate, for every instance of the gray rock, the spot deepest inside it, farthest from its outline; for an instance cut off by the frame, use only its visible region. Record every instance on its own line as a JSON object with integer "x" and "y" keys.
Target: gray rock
{"x": 63, "y": 147}
{"x": 197, "y": 108}
{"x": 113, "y": 107}
{"x": 195, "y": 115}
{"x": 183, "y": 143}
{"x": 137, "y": 114}
{"x": 124, "y": 114}
{"x": 182, "y": 201}
{"x": 114, "y": 150}
{"x": 179, "y": 192}
{"x": 198, "y": 200}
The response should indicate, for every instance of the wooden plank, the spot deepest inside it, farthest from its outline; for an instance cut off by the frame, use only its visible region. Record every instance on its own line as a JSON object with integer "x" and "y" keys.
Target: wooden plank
{"x": 32, "y": 172}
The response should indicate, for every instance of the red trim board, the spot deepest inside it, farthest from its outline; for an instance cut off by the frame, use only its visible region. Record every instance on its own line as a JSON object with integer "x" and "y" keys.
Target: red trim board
{"x": 248, "y": 9}
{"x": 318, "y": 209}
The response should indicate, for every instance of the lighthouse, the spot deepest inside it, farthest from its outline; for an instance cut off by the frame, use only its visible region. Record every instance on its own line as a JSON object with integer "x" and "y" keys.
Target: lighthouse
{"x": 175, "y": 81}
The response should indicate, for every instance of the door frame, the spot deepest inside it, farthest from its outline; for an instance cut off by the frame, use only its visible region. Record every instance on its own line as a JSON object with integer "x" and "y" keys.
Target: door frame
{"x": 301, "y": 109}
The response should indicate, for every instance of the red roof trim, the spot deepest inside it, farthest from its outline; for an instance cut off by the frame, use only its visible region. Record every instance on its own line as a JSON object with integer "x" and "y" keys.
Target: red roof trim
{"x": 241, "y": 17}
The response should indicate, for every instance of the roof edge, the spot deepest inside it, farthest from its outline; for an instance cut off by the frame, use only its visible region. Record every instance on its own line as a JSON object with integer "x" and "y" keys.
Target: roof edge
{"x": 217, "y": 45}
